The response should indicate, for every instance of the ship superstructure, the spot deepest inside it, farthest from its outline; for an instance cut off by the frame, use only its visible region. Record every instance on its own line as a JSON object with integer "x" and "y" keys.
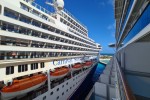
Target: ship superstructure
{"x": 131, "y": 59}
{"x": 42, "y": 55}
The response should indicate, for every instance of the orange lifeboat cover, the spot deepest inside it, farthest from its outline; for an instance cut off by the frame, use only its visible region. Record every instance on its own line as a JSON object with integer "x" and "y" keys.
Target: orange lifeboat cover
{"x": 77, "y": 66}
{"x": 88, "y": 63}
{"x": 26, "y": 83}
{"x": 60, "y": 71}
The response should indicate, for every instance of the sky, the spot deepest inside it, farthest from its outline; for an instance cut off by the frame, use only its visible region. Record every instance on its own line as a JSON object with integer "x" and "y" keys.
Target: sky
{"x": 97, "y": 15}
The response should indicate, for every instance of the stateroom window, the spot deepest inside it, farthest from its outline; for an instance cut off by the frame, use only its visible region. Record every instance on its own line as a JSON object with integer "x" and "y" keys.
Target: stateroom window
{"x": 24, "y": 7}
{"x": 42, "y": 64}
{"x": 9, "y": 70}
{"x": 22, "y": 68}
{"x": 34, "y": 66}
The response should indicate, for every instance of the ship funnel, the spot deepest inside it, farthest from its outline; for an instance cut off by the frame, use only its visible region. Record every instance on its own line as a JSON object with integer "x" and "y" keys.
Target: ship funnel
{"x": 57, "y": 4}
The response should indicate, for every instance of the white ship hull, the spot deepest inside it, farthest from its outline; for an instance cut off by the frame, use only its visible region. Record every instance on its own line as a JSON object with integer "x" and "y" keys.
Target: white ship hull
{"x": 87, "y": 66}
{"x": 74, "y": 83}
{"x": 75, "y": 69}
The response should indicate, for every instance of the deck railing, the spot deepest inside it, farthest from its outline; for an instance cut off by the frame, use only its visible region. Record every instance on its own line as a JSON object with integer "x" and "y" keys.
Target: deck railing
{"x": 39, "y": 7}
{"x": 66, "y": 11}
{"x": 124, "y": 89}
{"x": 50, "y": 13}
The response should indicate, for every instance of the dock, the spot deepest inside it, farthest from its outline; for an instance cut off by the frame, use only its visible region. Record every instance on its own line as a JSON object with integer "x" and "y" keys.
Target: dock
{"x": 103, "y": 61}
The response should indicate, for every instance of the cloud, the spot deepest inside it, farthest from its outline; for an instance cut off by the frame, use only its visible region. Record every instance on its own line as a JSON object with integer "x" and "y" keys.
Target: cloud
{"x": 106, "y": 2}
{"x": 113, "y": 34}
{"x": 112, "y": 26}
{"x": 101, "y": 3}
{"x": 111, "y": 2}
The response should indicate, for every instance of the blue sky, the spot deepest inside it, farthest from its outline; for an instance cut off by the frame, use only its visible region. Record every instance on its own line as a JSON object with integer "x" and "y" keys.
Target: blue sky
{"x": 97, "y": 15}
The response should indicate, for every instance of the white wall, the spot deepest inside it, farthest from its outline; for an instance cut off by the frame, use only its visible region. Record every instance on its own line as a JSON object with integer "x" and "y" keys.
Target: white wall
{"x": 137, "y": 57}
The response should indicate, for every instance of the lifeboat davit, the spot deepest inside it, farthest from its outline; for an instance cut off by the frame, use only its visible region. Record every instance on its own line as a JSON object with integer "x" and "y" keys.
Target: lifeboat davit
{"x": 59, "y": 73}
{"x": 23, "y": 86}
{"x": 77, "y": 66}
{"x": 88, "y": 64}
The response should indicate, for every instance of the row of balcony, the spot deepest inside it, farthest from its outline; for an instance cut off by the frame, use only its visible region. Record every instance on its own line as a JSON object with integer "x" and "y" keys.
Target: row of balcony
{"x": 17, "y": 29}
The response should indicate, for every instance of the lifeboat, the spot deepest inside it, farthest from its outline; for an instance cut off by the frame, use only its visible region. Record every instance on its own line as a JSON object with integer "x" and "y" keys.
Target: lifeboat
{"x": 23, "y": 86}
{"x": 59, "y": 73}
{"x": 77, "y": 66}
{"x": 12, "y": 54}
{"x": 88, "y": 64}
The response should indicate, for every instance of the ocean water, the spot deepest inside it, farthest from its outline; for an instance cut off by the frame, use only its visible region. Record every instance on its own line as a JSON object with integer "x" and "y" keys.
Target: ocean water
{"x": 108, "y": 54}
{"x": 88, "y": 83}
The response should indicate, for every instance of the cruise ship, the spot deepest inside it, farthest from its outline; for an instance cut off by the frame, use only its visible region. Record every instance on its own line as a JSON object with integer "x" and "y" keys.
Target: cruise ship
{"x": 43, "y": 55}
{"x": 133, "y": 47}
{"x": 127, "y": 75}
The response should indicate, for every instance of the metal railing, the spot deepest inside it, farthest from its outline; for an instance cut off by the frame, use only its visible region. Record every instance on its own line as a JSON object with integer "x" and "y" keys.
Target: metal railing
{"x": 66, "y": 11}
{"x": 124, "y": 89}
{"x": 48, "y": 12}
{"x": 39, "y": 7}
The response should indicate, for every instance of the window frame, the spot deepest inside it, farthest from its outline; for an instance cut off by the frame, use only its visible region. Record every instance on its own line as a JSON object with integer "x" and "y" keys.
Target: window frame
{"x": 9, "y": 70}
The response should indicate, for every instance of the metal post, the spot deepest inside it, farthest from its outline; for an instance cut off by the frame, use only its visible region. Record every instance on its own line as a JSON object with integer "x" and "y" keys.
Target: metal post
{"x": 2, "y": 10}
{"x": 48, "y": 79}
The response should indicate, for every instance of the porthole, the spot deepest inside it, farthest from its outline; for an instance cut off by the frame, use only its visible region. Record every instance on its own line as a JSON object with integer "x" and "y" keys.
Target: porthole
{"x": 67, "y": 90}
{"x": 67, "y": 83}
{"x": 57, "y": 89}
{"x": 51, "y": 93}
{"x": 63, "y": 93}
{"x": 62, "y": 86}
{"x": 44, "y": 98}
{"x": 57, "y": 97}
{"x": 70, "y": 87}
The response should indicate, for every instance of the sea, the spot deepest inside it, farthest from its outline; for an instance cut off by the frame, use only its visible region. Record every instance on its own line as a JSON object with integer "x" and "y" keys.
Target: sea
{"x": 88, "y": 83}
{"x": 108, "y": 54}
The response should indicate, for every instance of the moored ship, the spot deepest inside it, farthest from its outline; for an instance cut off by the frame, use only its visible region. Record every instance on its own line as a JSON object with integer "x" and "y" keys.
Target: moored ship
{"x": 43, "y": 55}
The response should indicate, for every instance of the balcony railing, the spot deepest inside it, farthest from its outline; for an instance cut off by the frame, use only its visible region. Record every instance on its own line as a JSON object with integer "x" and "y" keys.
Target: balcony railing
{"x": 66, "y": 11}
{"x": 125, "y": 92}
{"x": 39, "y": 7}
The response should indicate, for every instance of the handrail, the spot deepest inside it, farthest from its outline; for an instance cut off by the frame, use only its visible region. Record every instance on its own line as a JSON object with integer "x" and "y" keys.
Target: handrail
{"x": 66, "y": 11}
{"x": 128, "y": 93}
{"x": 48, "y": 12}
{"x": 39, "y": 7}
